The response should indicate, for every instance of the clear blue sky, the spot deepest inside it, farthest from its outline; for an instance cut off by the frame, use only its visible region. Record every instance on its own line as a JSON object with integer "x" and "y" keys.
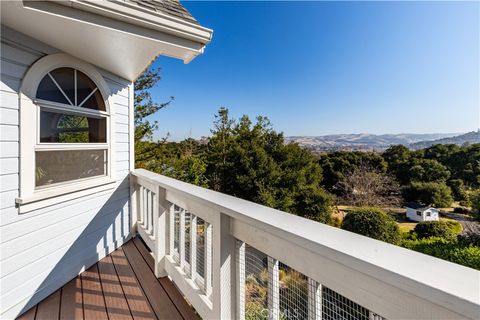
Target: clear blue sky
{"x": 319, "y": 68}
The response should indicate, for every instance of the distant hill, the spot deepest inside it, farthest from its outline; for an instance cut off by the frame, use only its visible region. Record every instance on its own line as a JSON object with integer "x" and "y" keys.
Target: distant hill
{"x": 364, "y": 141}
{"x": 470, "y": 137}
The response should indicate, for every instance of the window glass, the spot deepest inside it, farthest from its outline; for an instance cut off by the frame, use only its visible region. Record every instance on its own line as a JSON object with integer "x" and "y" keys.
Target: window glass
{"x": 85, "y": 86}
{"x": 60, "y": 166}
{"x": 48, "y": 90}
{"x": 67, "y": 128}
{"x": 65, "y": 78}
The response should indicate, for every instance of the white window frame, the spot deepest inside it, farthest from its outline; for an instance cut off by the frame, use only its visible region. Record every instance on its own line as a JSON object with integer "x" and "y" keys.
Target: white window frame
{"x": 30, "y": 197}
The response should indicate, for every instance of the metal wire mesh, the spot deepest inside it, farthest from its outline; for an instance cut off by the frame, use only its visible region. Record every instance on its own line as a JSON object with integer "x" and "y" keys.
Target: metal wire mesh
{"x": 200, "y": 248}
{"x": 275, "y": 290}
{"x": 176, "y": 233}
{"x": 256, "y": 284}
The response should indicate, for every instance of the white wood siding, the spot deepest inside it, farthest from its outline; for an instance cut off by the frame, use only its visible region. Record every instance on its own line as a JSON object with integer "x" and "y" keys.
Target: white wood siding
{"x": 43, "y": 249}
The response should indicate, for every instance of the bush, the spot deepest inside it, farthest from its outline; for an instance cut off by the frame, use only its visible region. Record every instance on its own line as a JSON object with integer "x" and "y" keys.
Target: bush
{"x": 441, "y": 229}
{"x": 475, "y": 202}
{"x": 429, "y": 193}
{"x": 373, "y": 223}
{"x": 450, "y": 250}
{"x": 453, "y": 225}
{"x": 470, "y": 239}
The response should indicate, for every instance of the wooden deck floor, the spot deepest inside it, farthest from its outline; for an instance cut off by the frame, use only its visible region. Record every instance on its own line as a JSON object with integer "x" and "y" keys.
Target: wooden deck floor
{"x": 120, "y": 286}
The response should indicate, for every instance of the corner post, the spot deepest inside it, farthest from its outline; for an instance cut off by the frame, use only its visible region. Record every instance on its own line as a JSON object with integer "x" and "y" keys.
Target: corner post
{"x": 133, "y": 204}
{"x": 224, "y": 279}
{"x": 161, "y": 207}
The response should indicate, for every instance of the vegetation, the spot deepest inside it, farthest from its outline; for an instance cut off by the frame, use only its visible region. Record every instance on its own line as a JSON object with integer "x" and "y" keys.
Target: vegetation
{"x": 373, "y": 223}
{"x": 250, "y": 160}
{"x": 442, "y": 229}
{"x": 451, "y": 250}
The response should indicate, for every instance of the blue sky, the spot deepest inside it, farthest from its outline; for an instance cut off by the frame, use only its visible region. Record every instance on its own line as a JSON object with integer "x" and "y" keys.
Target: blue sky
{"x": 318, "y": 68}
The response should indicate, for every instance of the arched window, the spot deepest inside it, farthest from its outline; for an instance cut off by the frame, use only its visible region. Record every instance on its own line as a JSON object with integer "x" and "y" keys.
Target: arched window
{"x": 72, "y": 141}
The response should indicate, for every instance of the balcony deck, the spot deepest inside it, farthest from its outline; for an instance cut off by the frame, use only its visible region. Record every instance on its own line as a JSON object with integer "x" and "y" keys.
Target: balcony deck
{"x": 120, "y": 286}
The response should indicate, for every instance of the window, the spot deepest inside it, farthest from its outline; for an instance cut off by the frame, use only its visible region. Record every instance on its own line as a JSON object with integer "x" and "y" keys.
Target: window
{"x": 428, "y": 213}
{"x": 419, "y": 213}
{"x": 72, "y": 140}
{"x": 65, "y": 132}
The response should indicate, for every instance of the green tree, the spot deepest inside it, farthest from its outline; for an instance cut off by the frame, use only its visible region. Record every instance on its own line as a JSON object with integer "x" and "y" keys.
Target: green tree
{"x": 144, "y": 107}
{"x": 373, "y": 223}
{"x": 429, "y": 193}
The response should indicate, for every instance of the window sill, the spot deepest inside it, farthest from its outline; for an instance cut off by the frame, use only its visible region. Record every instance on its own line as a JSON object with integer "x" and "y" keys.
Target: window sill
{"x": 47, "y": 197}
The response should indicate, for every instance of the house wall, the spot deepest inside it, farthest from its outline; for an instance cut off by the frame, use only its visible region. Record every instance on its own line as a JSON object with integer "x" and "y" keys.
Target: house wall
{"x": 412, "y": 215}
{"x": 43, "y": 249}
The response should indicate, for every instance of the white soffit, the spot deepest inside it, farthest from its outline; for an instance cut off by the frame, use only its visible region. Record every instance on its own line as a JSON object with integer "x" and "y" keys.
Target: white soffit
{"x": 108, "y": 35}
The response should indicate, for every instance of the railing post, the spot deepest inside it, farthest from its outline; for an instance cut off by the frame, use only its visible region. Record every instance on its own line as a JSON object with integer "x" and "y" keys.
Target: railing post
{"x": 207, "y": 277}
{"x": 273, "y": 289}
{"x": 314, "y": 300}
{"x": 241, "y": 280}
{"x": 223, "y": 298}
{"x": 193, "y": 246}
{"x": 161, "y": 207}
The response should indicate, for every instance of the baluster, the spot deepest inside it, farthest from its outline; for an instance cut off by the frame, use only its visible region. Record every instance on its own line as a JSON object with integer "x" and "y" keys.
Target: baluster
{"x": 181, "y": 247}
{"x": 141, "y": 204}
{"x": 193, "y": 246}
{"x": 314, "y": 300}
{"x": 147, "y": 210}
{"x": 273, "y": 289}
{"x": 207, "y": 277}
{"x": 153, "y": 211}
{"x": 161, "y": 207}
{"x": 171, "y": 219}
{"x": 241, "y": 280}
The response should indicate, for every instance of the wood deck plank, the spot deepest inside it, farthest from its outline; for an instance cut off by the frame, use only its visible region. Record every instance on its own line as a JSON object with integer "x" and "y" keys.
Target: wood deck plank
{"x": 49, "y": 309}
{"x": 117, "y": 306}
{"x": 159, "y": 300}
{"x": 178, "y": 300}
{"x": 93, "y": 301}
{"x": 71, "y": 306}
{"x": 136, "y": 298}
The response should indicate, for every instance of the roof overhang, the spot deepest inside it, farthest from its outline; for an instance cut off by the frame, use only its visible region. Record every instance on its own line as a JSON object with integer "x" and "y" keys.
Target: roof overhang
{"x": 117, "y": 36}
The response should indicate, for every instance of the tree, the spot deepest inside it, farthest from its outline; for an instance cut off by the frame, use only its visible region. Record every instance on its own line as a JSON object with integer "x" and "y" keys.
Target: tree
{"x": 429, "y": 193}
{"x": 373, "y": 223}
{"x": 144, "y": 107}
{"x": 367, "y": 186}
{"x": 475, "y": 202}
{"x": 250, "y": 160}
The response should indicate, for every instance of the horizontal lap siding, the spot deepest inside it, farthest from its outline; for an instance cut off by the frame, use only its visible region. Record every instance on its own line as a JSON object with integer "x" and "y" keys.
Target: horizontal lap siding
{"x": 43, "y": 249}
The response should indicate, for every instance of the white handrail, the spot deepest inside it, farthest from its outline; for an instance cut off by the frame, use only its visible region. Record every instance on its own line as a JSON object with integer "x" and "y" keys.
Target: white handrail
{"x": 394, "y": 282}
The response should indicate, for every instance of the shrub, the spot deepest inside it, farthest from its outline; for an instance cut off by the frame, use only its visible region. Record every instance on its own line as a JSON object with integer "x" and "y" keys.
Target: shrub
{"x": 470, "y": 239}
{"x": 373, "y": 223}
{"x": 475, "y": 202}
{"x": 441, "y": 229}
{"x": 453, "y": 225}
{"x": 429, "y": 193}
{"x": 450, "y": 250}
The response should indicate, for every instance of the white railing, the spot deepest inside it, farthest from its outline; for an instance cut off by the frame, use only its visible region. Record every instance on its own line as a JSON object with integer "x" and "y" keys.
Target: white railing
{"x": 234, "y": 259}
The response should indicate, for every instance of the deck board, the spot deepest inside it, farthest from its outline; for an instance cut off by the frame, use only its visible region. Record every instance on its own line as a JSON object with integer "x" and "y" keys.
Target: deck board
{"x": 122, "y": 286}
{"x": 71, "y": 305}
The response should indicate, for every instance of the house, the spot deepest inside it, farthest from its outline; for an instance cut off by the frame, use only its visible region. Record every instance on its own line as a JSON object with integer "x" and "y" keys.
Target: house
{"x": 418, "y": 212}
{"x": 85, "y": 235}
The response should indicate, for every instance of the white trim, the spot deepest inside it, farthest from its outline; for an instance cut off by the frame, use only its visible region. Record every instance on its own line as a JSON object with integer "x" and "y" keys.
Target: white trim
{"x": 50, "y": 197}
{"x": 29, "y": 119}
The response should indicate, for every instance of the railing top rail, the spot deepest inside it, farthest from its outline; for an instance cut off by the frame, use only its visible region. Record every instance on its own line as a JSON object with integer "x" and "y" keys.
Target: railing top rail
{"x": 447, "y": 283}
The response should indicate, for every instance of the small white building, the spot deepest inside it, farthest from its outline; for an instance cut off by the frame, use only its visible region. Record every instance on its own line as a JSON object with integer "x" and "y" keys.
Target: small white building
{"x": 418, "y": 212}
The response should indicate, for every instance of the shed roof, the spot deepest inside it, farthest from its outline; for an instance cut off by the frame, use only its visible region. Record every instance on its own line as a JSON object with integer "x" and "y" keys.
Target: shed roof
{"x": 418, "y": 206}
{"x": 170, "y": 7}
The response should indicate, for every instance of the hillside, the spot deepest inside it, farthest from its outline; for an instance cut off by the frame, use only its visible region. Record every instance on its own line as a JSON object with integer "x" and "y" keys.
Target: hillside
{"x": 470, "y": 137}
{"x": 363, "y": 141}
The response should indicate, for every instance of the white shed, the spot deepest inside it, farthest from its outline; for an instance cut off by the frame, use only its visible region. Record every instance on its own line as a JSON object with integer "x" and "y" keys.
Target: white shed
{"x": 418, "y": 212}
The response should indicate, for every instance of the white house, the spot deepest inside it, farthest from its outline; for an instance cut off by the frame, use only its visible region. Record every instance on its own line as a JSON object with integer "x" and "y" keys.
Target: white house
{"x": 418, "y": 212}
{"x": 85, "y": 235}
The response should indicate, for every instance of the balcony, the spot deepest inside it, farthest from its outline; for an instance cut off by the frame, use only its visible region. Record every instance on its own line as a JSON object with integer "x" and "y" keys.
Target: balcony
{"x": 234, "y": 259}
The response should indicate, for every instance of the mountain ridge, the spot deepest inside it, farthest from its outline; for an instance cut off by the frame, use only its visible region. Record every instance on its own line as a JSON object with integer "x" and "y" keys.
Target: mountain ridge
{"x": 374, "y": 142}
